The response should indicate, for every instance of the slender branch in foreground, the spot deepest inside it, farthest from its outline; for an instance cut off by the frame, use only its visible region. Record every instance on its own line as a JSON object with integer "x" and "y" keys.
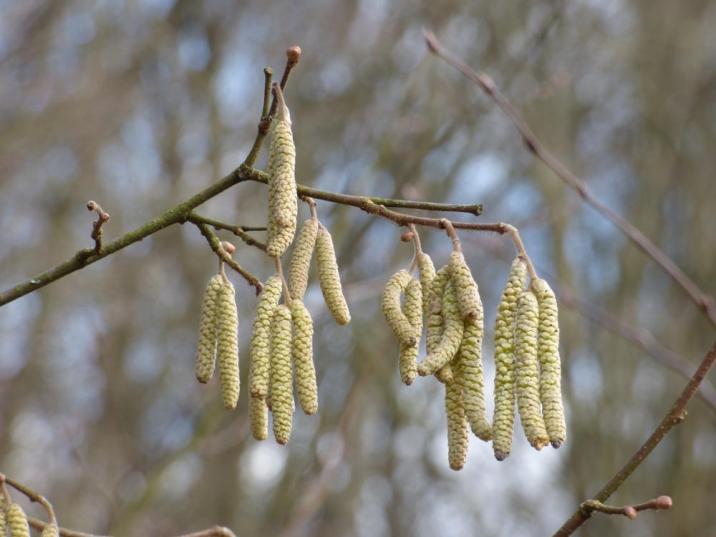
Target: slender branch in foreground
{"x": 239, "y": 231}
{"x": 629, "y": 511}
{"x": 216, "y": 531}
{"x": 102, "y": 218}
{"x": 39, "y": 525}
{"x": 704, "y": 301}
{"x": 32, "y": 495}
{"x": 219, "y": 250}
{"x": 676, "y": 415}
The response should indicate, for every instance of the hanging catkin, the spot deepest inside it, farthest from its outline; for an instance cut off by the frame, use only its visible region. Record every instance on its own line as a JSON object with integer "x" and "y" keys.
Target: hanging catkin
{"x": 434, "y": 321}
{"x": 527, "y": 370}
{"x": 329, "y": 277}
{"x": 283, "y": 205}
{"x": 550, "y": 364}
{"x": 413, "y": 307}
{"x": 228, "y": 345}
{"x": 456, "y": 426}
{"x": 301, "y": 259}
{"x": 466, "y": 292}
{"x": 504, "y": 415}
{"x": 51, "y": 530}
{"x": 303, "y": 366}
{"x": 427, "y": 274}
{"x": 206, "y": 346}
{"x": 258, "y": 416}
{"x": 17, "y": 521}
{"x": 3, "y": 521}
{"x": 397, "y": 320}
{"x": 451, "y": 337}
{"x": 281, "y": 376}
{"x": 259, "y": 349}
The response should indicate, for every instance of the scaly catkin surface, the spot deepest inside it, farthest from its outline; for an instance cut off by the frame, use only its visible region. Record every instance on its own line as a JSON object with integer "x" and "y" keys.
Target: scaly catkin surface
{"x": 17, "y": 521}
{"x": 392, "y": 309}
{"x": 51, "y": 530}
{"x": 466, "y": 292}
{"x": 451, "y": 337}
{"x": 281, "y": 376}
{"x": 258, "y": 416}
{"x": 456, "y": 426}
{"x": 259, "y": 347}
{"x": 470, "y": 376}
{"x": 329, "y": 277}
{"x": 413, "y": 307}
{"x": 206, "y": 346}
{"x": 228, "y": 345}
{"x": 301, "y": 259}
{"x": 303, "y": 365}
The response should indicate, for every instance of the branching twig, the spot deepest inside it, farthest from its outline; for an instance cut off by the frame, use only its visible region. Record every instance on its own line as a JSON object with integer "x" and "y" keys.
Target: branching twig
{"x": 102, "y": 218}
{"x": 239, "y": 231}
{"x": 39, "y": 525}
{"x": 32, "y": 495}
{"x": 629, "y": 511}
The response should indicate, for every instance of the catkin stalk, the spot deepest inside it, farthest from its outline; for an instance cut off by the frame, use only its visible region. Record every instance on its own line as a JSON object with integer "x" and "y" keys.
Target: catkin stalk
{"x": 392, "y": 309}
{"x": 206, "y": 346}
{"x": 260, "y": 338}
{"x": 301, "y": 259}
{"x": 303, "y": 366}
{"x": 550, "y": 364}
{"x": 471, "y": 378}
{"x": 413, "y": 307}
{"x": 50, "y": 530}
{"x": 466, "y": 291}
{"x": 456, "y": 426}
{"x": 281, "y": 376}
{"x": 228, "y": 345}
{"x": 527, "y": 370}
{"x": 258, "y": 416}
{"x": 504, "y": 414}
{"x": 329, "y": 277}
{"x": 17, "y": 521}
{"x": 451, "y": 337}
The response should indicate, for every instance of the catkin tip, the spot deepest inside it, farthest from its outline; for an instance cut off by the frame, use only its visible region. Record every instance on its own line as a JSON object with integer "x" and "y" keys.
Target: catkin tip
{"x": 500, "y": 456}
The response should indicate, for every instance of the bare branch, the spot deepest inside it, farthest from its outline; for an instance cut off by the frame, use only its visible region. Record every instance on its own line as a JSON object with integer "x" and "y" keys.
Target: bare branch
{"x": 216, "y": 531}
{"x": 239, "y": 231}
{"x": 102, "y": 218}
{"x": 630, "y": 511}
{"x": 32, "y": 495}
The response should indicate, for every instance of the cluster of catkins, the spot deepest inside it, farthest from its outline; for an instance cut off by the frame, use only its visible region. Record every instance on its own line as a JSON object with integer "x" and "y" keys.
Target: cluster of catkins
{"x": 282, "y": 339}
{"x": 13, "y": 522}
{"x": 527, "y": 359}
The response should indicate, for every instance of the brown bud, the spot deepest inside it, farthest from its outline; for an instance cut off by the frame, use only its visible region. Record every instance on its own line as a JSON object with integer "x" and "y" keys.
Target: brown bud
{"x": 407, "y": 236}
{"x": 293, "y": 54}
{"x": 663, "y": 502}
{"x": 228, "y": 247}
{"x": 630, "y": 512}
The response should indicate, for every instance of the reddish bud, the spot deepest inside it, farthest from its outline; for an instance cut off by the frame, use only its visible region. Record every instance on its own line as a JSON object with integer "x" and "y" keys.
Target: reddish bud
{"x": 407, "y": 236}
{"x": 293, "y": 54}
{"x": 663, "y": 502}
{"x": 630, "y": 512}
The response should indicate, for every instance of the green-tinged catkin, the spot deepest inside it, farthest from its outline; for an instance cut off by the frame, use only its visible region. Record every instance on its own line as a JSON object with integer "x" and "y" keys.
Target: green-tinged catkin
{"x": 258, "y": 416}
{"x": 433, "y": 300}
{"x": 466, "y": 291}
{"x": 3, "y": 521}
{"x": 50, "y": 530}
{"x": 303, "y": 366}
{"x": 550, "y": 364}
{"x": 527, "y": 370}
{"x": 456, "y": 426}
{"x": 281, "y": 376}
{"x": 504, "y": 414}
{"x": 427, "y": 274}
{"x": 413, "y": 307}
{"x": 17, "y": 521}
{"x": 471, "y": 378}
{"x": 301, "y": 259}
{"x": 228, "y": 345}
{"x": 283, "y": 204}
{"x": 206, "y": 346}
{"x": 392, "y": 309}
{"x": 445, "y": 374}
{"x": 260, "y": 338}
{"x": 451, "y": 337}
{"x": 329, "y": 277}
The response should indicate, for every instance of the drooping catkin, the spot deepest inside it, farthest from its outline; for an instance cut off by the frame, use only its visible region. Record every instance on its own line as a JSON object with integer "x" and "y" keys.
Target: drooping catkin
{"x": 456, "y": 426}
{"x": 206, "y": 346}
{"x": 392, "y": 309}
{"x": 228, "y": 345}
{"x": 329, "y": 277}
{"x": 413, "y": 306}
{"x": 445, "y": 374}
{"x": 451, "y": 337}
{"x": 550, "y": 364}
{"x": 433, "y": 298}
{"x": 466, "y": 291}
{"x": 504, "y": 414}
{"x": 427, "y": 273}
{"x": 50, "y": 530}
{"x": 258, "y": 416}
{"x": 527, "y": 370}
{"x": 281, "y": 375}
{"x": 3, "y": 521}
{"x": 17, "y": 521}
{"x": 283, "y": 204}
{"x": 303, "y": 366}
{"x": 471, "y": 378}
{"x": 260, "y": 338}
{"x": 301, "y": 259}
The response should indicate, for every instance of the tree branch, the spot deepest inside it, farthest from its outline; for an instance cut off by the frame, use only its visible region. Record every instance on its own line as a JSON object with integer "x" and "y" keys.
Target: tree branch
{"x": 239, "y": 231}
{"x": 629, "y": 511}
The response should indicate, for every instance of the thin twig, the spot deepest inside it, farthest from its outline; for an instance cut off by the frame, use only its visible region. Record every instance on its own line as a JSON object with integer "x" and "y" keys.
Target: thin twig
{"x": 239, "y": 231}
{"x": 216, "y": 531}
{"x": 630, "y": 511}
{"x": 32, "y": 495}
{"x": 102, "y": 218}
{"x": 39, "y": 525}
{"x": 704, "y": 301}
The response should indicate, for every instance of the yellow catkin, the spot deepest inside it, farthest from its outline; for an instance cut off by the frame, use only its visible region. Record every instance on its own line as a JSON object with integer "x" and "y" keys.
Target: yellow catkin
{"x": 456, "y": 426}
{"x": 392, "y": 309}
{"x": 301, "y": 259}
{"x": 3, "y": 521}
{"x": 329, "y": 277}
{"x": 471, "y": 378}
{"x": 433, "y": 301}
{"x": 466, "y": 291}
{"x": 283, "y": 205}
{"x": 504, "y": 414}
{"x": 550, "y": 364}
{"x": 451, "y": 337}
{"x": 413, "y": 307}
{"x": 427, "y": 273}
{"x": 281, "y": 376}
{"x": 51, "y": 530}
{"x": 228, "y": 345}
{"x": 17, "y": 521}
{"x": 258, "y": 416}
{"x": 259, "y": 348}
{"x": 527, "y": 370}
{"x": 206, "y": 346}
{"x": 303, "y": 366}
{"x": 445, "y": 374}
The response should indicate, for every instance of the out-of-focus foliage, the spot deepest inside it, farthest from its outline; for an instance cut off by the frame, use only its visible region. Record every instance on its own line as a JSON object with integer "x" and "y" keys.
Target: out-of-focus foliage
{"x": 138, "y": 104}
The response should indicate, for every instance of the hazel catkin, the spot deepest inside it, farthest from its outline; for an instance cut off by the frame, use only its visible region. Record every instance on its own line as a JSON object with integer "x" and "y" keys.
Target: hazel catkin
{"x": 413, "y": 306}
{"x": 228, "y": 345}
{"x": 283, "y": 204}
{"x": 471, "y": 378}
{"x": 258, "y": 416}
{"x": 550, "y": 364}
{"x": 466, "y": 291}
{"x": 50, "y": 530}
{"x": 456, "y": 426}
{"x": 260, "y": 338}
{"x": 303, "y": 365}
{"x": 281, "y": 377}
{"x": 427, "y": 273}
{"x": 329, "y": 277}
{"x": 451, "y": 336}
{"x": 504, "y": 413}
{"x": 3, "y": 521}
{"x": 433, "y": 302}
{"x": 301, "y": 259}
{"x": 392, "y": 309}
{"x": 206, "y": 346}
{"x": 527, "y": 370}
{"x": 17, "y": 521}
